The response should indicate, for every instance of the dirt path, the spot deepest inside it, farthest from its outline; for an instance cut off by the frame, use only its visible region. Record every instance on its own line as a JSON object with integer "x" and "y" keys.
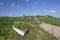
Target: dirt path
{"x": 53, "y": 30}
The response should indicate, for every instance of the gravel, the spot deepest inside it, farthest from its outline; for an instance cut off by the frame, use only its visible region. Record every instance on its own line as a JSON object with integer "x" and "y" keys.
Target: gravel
{"x": 51, "y": 29}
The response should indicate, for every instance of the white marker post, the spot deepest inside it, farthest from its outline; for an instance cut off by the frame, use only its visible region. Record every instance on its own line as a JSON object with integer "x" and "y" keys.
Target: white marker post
{"x": 20, "y": 32}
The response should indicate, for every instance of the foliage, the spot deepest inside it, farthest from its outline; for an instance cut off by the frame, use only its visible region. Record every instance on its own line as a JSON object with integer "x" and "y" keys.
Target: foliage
{"x": 51, "y": 20}
{"x": 35, "y": 33}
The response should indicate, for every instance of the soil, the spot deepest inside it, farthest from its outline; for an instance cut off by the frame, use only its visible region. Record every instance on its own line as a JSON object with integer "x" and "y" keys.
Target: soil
{"x": 51, "y": 29}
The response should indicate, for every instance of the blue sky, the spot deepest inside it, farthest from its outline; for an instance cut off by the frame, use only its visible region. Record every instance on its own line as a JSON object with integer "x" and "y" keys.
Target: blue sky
{"x": 29, "y": 7}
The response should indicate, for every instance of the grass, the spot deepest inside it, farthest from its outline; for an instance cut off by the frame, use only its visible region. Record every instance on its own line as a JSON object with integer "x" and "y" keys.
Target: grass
{"x": 51, "y": 20}
{"x": 35, "y": 32}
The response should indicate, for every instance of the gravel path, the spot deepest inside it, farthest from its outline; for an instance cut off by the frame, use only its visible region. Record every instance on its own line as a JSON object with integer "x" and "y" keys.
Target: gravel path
{"x": 53, "y": 30}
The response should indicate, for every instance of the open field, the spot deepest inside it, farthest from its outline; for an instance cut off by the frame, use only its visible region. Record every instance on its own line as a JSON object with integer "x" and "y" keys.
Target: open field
{"x": 50, "y": 20}
{"x": 35, "y": 32}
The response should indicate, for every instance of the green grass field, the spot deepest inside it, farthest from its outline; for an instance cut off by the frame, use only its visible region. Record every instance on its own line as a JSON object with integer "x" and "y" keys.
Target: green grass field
{"x": 51, "y": 20}
{"x": 35, "y": 32}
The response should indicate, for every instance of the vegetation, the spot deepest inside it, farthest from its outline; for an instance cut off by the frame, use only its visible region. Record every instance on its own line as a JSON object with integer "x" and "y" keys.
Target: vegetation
{"x": 50, "y": 19}
{"x": 35, "y": 32}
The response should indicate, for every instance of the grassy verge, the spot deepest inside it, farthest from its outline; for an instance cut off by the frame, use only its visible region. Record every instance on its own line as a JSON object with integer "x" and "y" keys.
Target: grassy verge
{"x": 51, "y": 20}
{"x": 35, "y": 32}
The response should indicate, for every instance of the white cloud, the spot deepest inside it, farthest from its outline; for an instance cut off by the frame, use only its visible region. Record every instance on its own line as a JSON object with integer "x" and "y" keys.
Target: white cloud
{"x": 12, "y": 5}
{"x": 1, "y": 3}
{"x": 52, "y": 11}
{"x": 27, "y": 0}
